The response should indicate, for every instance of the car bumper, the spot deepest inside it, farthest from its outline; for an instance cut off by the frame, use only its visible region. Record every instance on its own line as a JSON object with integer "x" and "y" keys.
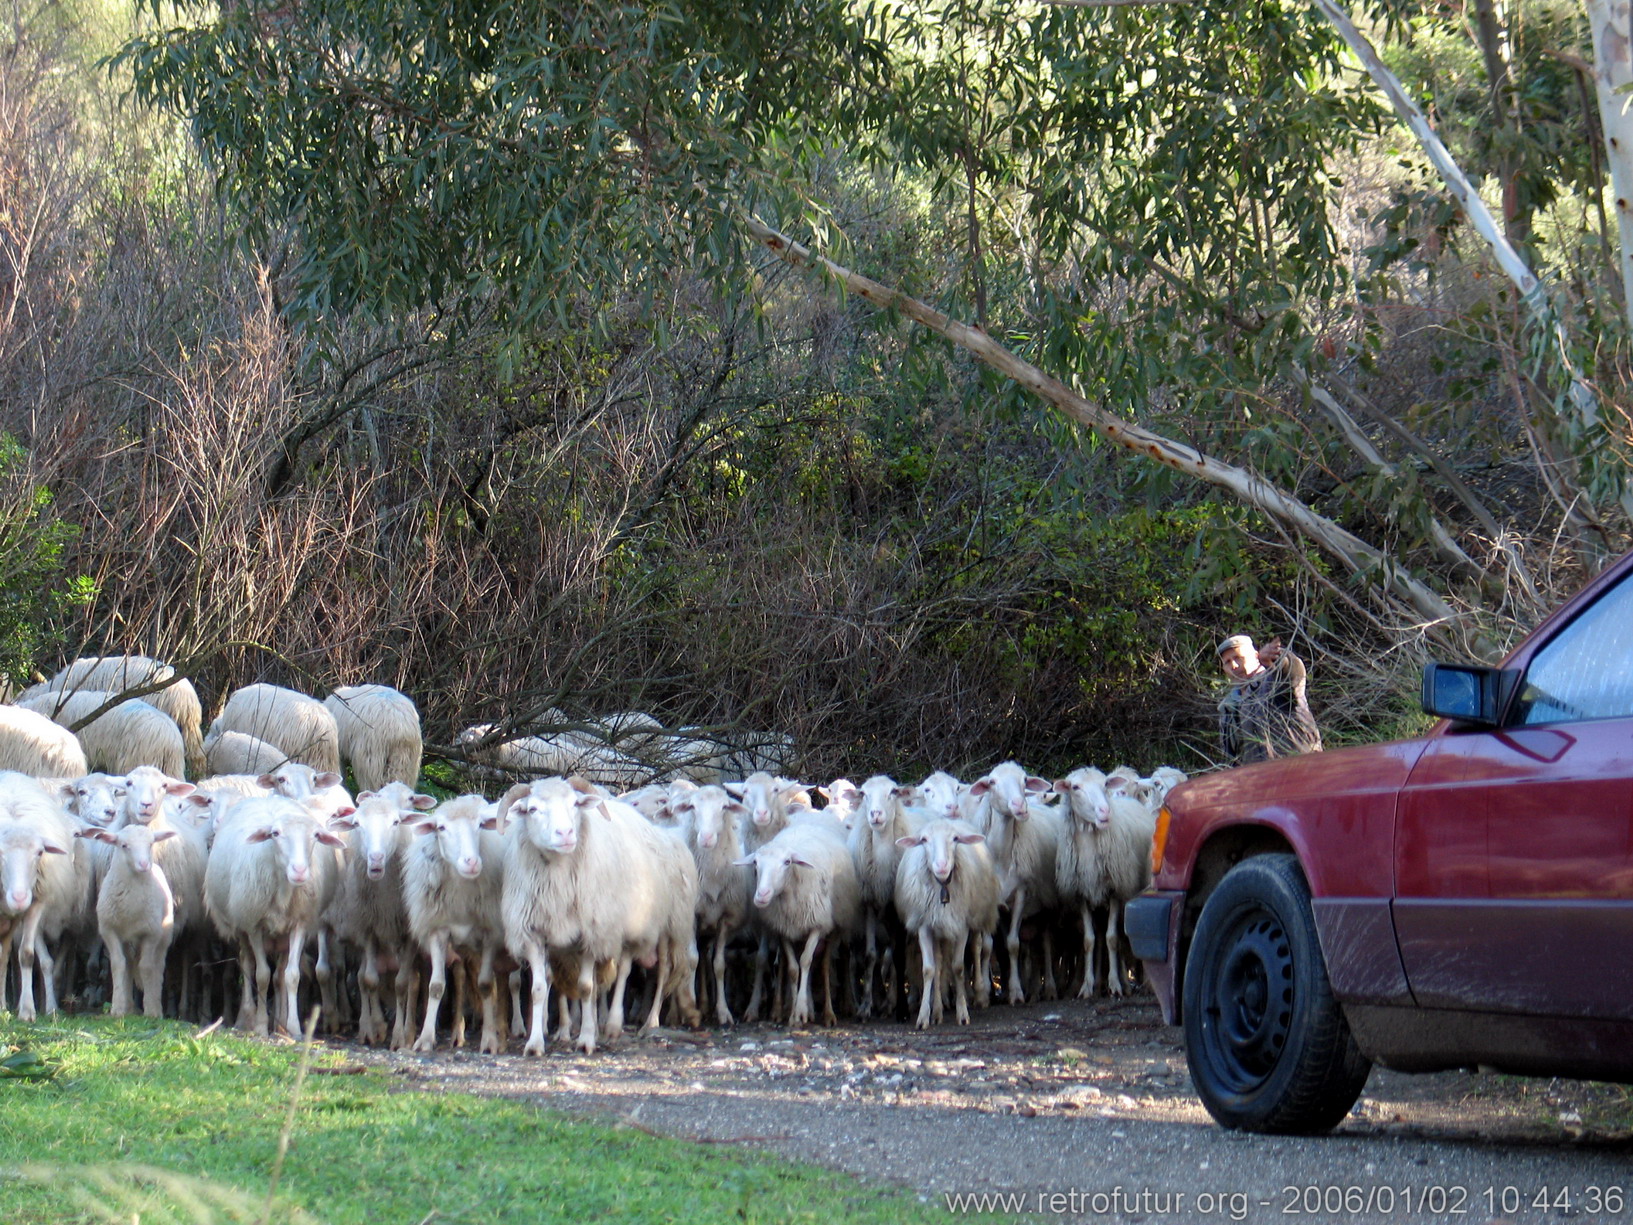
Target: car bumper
{"x": 1152, "y": 924}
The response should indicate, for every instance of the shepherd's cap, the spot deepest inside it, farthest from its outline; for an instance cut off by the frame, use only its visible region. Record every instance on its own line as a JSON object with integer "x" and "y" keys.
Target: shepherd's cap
{"x": 1243, "y": 641}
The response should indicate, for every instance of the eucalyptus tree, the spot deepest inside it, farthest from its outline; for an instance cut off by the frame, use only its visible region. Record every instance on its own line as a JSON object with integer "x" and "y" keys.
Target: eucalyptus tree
{"x": 1139, "y": 200}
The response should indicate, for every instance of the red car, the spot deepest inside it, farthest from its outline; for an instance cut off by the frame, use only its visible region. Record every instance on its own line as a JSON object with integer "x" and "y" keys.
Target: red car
{"x": 1462, "y": 899}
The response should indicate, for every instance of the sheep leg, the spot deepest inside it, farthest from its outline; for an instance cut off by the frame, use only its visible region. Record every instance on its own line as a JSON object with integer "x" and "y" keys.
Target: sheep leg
{"x": 955, "y": 965}
{"x": 1114, "y": 946}
{"x": 564, "y": 1018}
{"x": 722, "y": 1007}
{"x": 533, "y": 953}
{"x": 1017, "y": 992}
{"x": 371, "y": 1020}
{"x": 518, "y": 1023}
{"x": 870, "y": 962}
{"x": 292, "y": 982}
{"x": 613, "y": 1026}
{"x": 246, "y": 983}
{"x": 263, "y": 985}
{"x": 5, "y": 962}
{"x": 27, "y": 950}
{"x": 664, "y": 969}
{"x": 1051, "y": 990}
{"x": 804, "y": 1012}
{"x": 586, "y": 1021}
{"x": 120, "y": 966}
{"x": 152, "y": 957}
{"x": 402, "y": 1024}
{"x": 929, "y": 992}
{"x": 324, "y": 972}
{"x": 1091, "y": 965}
{"x": 456, "y": 1014}
{"x": 438, "y": 951}
{"x": 828, "y": 1017}
{"x": 756, "y": 998}
{"x": 487, "y": 982}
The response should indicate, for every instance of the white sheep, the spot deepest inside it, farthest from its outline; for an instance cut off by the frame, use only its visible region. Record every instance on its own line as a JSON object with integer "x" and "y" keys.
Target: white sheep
{"x": 369, "y": 911}
{"x": 135, "y": 913}
{"x": 128, "y": 734}
{"x": 562, "y": 753}
{"x": 1103, "y": 861}
{"x": 241, "y": 753}
{"x": 709, "y": 820}
{"x": 589, "y": 874}
{"x": 806, "y": 892}
{"x": 42, "y": 882}
{"x": 452, "y": 874}
{"x": 271, "y": 872}
{"x": 32, "y": 744}
{"x": 946, "y": 890}
{"x": 1022, "y": 835}
{"x": 841, "y": 799}
{"x": 300, "y": 726}
{"x": 939, "y": 795}
{"x": 379, "y": 731}
{"x": 882, "y": 819}
{"x": 121, "y": 673}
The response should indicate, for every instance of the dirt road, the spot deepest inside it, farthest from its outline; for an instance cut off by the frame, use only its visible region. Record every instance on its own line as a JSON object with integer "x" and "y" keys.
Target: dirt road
{"x": 1083, "y": 1112}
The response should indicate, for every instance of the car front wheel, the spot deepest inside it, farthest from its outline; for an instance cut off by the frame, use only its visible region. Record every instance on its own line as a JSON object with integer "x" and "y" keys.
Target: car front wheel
{"x": 1268, "y": 1046}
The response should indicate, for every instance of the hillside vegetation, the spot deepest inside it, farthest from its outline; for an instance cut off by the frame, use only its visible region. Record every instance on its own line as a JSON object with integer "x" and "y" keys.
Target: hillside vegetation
{"x": 440, "y": 363}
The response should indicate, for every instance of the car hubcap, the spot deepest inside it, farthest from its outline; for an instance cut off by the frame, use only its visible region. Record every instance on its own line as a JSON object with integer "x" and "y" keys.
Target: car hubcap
{"x": 1252, "y": 1009}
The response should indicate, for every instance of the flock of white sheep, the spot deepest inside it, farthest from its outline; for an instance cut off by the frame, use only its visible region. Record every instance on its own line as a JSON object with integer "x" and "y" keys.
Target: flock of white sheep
{"x": 599, "y": 881}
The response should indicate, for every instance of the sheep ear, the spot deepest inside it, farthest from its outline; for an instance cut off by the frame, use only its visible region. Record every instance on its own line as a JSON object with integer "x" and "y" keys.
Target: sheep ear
{"x": 343, "y": 823}
{"x": 1063, "y": 785}
{"x": 328, "y": 839}
{"x": 179, "y": 789}
{"x": 267, "y": 780}
{"x": 327, "y": 779}
{"x": 735, "y": 807}
{"x": 747, "y": 861}
{"x": 980, "y": 786}
{"x": 911, "y": 840}
{"x": 510, "y": 797}
{"x": 162, "y": 835}
{"x": 345, "y": 810}
{"x": 1116, "y": 785}
{"x": 425, "y": 803}
{"x": 903, "y": 793}
{"x": 65, "y": 791}
{"x": 364, "y": 795}
{"x": 52, "y": 848}
{"x": 259, "y": 835}
{"x": 101, "y": 835}
{"x": 1036, "y": 785}
{"x": 970, "y": 839}
{"x": 424, "y": 827}
{"x": 488, "y": 823}
{"x": 201, "y": 801}
{"x": 735, "y": 790}
{"x": 800, "y": 862}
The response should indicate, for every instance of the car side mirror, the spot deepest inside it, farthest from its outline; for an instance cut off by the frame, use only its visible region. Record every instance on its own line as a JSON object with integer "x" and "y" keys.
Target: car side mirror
{"x": 1468, "y": 693}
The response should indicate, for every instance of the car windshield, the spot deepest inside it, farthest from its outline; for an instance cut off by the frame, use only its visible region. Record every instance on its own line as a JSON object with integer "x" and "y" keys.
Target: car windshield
{"x": 1586, "y": 671}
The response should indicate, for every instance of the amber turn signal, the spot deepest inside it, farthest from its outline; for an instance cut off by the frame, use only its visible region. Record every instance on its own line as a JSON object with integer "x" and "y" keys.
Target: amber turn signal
{"x": 1159, "y": 839}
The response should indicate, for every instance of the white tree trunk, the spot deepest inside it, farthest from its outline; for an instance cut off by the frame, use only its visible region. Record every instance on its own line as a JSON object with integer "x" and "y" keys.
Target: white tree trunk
{"x": 1353, "y": 552}
{"x": 1612, "y": 22}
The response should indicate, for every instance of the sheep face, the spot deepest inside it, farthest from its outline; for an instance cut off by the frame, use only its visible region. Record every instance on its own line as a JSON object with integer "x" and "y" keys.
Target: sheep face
{"x": 941, "y": 840}
{"x": 298, "y": 781}
{"x": 375, "y": 825}
{"x": 878, "y": 799}
{"x": 552, "y": 811}
{"x": 454, "y": 825}
{"x": 293, "y": 838}
{"x": 1010, "y": 789}
{"x": 708, "y": 810}
{"x": 21, "y": 849}
{"x": 1087, "y": 794}
{"x": 134, "y": 842}
{"x": 96, "y": 799}
{"x": 148, "y": 787}
{"x": 940, "y": 793}
{"x": 771, "y": 868}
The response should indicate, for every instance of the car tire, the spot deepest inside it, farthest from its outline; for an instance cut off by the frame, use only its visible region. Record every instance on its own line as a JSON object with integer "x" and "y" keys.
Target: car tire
{"x": 1268, "y": 1045}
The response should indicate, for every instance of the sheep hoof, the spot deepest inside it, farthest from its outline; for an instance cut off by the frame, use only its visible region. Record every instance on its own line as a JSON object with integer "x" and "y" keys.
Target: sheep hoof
{"x": 425, "y": 1045}
{"x": 1087, "y": 992}
{"x": 534, "y": 1047}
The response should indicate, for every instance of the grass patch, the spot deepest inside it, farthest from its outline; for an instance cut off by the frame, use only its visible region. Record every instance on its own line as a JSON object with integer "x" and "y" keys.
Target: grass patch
{"x": 143, "y": 1121}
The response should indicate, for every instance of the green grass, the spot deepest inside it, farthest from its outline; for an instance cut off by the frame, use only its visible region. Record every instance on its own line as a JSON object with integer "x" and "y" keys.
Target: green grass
{"x": 144, "y": 1123}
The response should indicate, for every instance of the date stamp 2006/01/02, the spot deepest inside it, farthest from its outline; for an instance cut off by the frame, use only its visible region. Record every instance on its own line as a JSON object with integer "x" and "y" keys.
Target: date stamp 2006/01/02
{"x": 1319, "y": 1201}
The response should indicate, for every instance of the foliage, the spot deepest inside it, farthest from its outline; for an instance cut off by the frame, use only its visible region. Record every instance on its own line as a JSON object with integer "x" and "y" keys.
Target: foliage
{"x": 189, "y": 1120}
{"x": 35, "y": 591}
